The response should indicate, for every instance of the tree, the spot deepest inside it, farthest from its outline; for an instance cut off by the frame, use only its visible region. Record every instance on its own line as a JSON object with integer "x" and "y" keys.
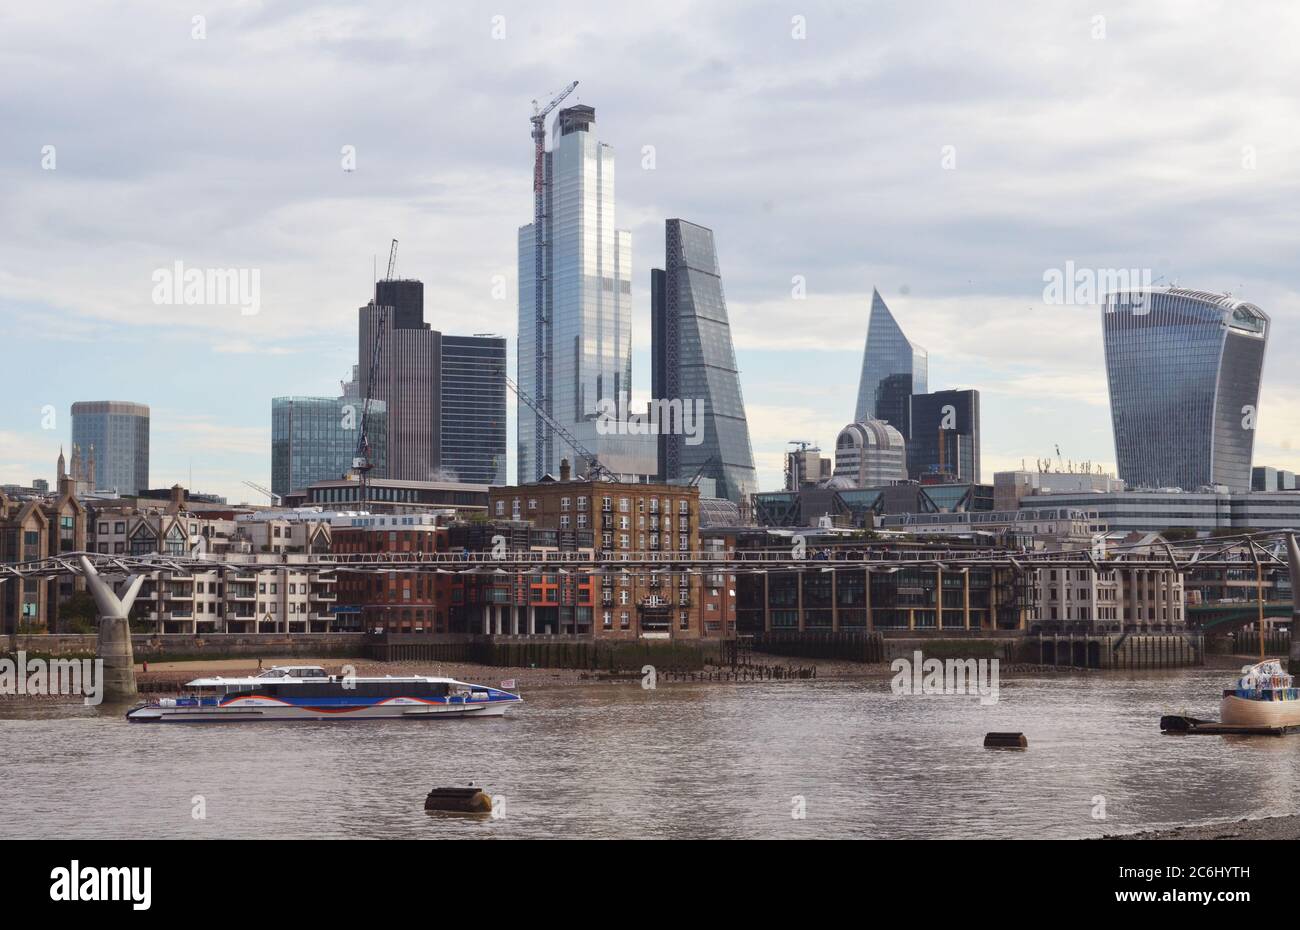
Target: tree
{"x": 77, "y": 613}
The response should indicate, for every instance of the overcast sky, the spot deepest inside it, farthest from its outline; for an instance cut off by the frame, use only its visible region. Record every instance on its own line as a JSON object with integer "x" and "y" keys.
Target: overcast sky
{"x": 948, "y": 153}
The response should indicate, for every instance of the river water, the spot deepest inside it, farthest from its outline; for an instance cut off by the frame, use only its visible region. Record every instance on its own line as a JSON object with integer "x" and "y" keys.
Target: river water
{"x": 684, "y": 760}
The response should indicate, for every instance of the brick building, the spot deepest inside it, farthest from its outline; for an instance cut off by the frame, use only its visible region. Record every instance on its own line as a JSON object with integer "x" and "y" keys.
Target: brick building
{"x": 398, "y": 601}
{"x": 625, "y": 521}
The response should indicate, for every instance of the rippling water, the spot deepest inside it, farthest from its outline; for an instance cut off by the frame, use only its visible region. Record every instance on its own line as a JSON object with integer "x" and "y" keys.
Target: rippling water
{"x": 682, "y": 761}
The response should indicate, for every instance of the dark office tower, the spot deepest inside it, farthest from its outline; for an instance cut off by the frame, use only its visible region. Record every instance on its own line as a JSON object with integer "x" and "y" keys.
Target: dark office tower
{"x": 694, "y": 361}
{"x": 409, "y": 382}
{"x": 945, "y": 442}
{"x": 893, "y": 369}
{"x": 406, "y": 297}
{"x": 474, "y": 409}
{"x": 1184, "y": 370}
{"x": 893, "y": 403}
{"x": 113, "y": 439}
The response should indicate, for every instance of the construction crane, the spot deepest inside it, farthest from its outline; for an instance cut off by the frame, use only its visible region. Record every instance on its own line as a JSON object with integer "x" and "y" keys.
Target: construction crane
{"x": 699, "y": 472}
{"x": 361, "y": 462}
{"x": 594, "y": 468}
{"x": 541, "y": 321}
{"x": 275, "y": 498}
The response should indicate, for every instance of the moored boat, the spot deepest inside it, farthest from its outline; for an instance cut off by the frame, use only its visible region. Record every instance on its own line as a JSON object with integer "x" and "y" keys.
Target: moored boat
{"x": 1264, "y": 696}
{"x": 307, "y": 692}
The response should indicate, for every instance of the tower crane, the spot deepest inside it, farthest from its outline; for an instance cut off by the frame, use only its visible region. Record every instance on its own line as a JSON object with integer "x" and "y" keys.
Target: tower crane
{"x": 361, "y": 462}
{"x": 275, "y": 498}
{"x": 594, "y": 468}
{"x": 541, "y": 320}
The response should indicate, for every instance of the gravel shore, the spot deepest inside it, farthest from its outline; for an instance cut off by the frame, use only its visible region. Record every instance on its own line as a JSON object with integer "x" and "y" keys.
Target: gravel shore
{"x": 1265, "y": 828}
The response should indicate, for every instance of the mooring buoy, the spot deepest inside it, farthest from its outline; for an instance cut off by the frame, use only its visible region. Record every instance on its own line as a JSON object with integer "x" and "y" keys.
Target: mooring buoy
{"x": 468, "y": 800}
{"x": 1005, "y": 741}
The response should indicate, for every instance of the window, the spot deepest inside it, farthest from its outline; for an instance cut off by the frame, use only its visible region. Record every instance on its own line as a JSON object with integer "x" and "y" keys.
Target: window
{"x": 564, "y": 503}
{"x": 501, "y": 508}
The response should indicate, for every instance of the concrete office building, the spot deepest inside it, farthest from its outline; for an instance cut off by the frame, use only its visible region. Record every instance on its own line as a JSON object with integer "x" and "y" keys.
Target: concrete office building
{"x": 409, "y": 381}
{"x": 444, "y": 395}
{"x": 1010, "y": 488}
{"x": 694, "y": 362}
{"x": 119, "y": 433}
{"x": 1205, "y": 511}
{"x": 869, "y": 454}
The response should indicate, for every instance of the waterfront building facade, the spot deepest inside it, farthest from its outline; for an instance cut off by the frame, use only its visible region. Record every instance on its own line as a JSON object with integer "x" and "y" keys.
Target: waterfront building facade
{"x": 694, "y": 362}
{"x": 396, "y": 601}
{"x": 893, "y": 369}
{"x": 34, "y": 528}
{"x": 315, "y": 439}
{"x": 575, "y": 344}
{"x": 118, "y": 433}
{"x": 625, "y": 521}
{"x": 1121, "y": 597}
{"x": 945, "y": 436}
{"x": 1184, "y": 370}
{"x": 870, "y": 453}
{"x": 855, "y": 599}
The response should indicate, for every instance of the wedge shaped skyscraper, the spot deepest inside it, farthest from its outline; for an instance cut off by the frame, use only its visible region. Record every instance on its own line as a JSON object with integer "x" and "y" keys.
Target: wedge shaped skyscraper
{"x": 893, "y": 369}
{"x": 694, "y": 365}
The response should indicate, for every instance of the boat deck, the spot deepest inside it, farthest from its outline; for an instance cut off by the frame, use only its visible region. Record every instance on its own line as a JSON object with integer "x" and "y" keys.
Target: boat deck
{"x": 1191, "y": 726}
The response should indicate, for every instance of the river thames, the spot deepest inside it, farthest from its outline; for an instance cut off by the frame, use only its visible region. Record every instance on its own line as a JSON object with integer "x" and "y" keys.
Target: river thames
{"x": 680, "y": 761}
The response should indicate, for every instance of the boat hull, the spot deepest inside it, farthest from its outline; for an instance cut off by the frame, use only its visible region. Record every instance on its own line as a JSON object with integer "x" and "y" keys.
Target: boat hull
{"x": 254, "y": 709}
{"x": 1244, "y": 712}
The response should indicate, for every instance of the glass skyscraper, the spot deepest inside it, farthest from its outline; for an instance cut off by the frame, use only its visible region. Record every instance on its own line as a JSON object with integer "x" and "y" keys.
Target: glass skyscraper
{"x": 945, "y": 437}
{"x": 119, "y": 432}
{"x": 893, "y": 369}
{"x": 575, "y": 349}
{"x": 315, "y": 439}
{"x": 693, "y": 360}
{"x": 474, "y": 408}
{"x": 1184, "y": 370}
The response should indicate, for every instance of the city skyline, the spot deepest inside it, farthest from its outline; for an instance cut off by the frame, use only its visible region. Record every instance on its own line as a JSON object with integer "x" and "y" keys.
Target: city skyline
{"x": 961, "y": 266}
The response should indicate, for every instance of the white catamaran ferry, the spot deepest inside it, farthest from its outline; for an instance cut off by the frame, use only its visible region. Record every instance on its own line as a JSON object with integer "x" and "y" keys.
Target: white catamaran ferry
{"x": 306, "y": 692}
{"x": 1264, "y": 696}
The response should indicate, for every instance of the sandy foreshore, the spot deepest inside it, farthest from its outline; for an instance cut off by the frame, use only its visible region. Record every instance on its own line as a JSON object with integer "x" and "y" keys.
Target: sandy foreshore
{"x": 526, "y": 678}
{"x": 1264, "y": 828}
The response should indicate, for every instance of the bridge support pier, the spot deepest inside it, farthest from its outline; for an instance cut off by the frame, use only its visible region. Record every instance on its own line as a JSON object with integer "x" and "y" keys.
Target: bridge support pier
{"x": 114, "y": 646}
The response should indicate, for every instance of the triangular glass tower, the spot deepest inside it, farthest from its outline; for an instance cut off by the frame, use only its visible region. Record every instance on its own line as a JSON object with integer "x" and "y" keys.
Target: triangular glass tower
{"x": 893, "y": 369}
